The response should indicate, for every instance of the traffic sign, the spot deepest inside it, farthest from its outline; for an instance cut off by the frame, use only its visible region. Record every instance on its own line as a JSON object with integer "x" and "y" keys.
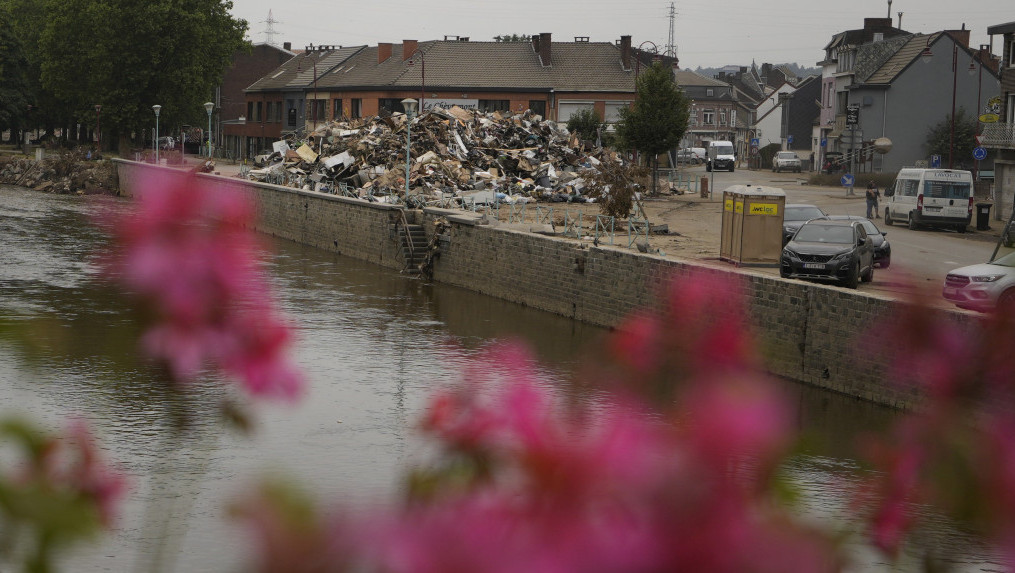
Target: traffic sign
{"x": 847, "y": 180}
{"x": 979, "y": 154}
{"x": 755, "y": 141}
{"x": 935, "y": 161}
{"x": 824, "y": 143}
{"x": 852, "y": 114}
{"x": 789, "y": 138}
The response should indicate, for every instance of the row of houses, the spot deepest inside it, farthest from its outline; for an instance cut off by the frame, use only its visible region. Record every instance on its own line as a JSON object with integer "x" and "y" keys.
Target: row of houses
{"x": 876, "y": 82}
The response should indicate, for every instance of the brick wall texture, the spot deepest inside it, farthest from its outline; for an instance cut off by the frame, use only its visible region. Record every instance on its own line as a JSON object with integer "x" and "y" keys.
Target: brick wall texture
{"x": 811, "y": 333}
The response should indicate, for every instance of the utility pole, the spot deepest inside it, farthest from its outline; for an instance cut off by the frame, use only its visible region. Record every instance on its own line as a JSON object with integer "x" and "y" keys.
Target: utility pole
{"x": 269, "y": 32}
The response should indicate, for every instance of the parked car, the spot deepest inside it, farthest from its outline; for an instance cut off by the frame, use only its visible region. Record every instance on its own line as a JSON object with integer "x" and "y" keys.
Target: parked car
{"x": 687, "y": 157}
{"x": 166, "y": 142}
{"x": 882, "y": 248}
{"x": 698, "y": 152}
{"x": 982, "y": 287}
{"x": 797, "y": 214}
{"x": 824, "y": 250}
{"x": 786, "y": 161}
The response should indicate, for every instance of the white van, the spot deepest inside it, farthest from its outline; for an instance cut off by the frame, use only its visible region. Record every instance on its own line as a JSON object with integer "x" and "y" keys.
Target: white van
{"x": 930, "y": 198}
{"x": 720, "y": 156}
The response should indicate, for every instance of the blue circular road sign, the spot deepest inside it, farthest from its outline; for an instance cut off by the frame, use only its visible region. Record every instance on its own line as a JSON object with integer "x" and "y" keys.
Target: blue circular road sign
{"x": 847, "y": 180}
{"x": 979, "y": 154}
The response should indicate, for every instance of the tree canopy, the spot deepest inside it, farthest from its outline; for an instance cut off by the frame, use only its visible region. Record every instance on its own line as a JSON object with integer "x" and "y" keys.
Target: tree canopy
{"x": 939, "y": 138}
{"x": 126, "y": 55}
{"x": 658, "y": 118}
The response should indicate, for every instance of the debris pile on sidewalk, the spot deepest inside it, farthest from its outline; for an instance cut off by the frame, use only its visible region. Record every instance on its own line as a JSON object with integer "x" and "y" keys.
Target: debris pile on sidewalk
{"x": 456, "y": 153}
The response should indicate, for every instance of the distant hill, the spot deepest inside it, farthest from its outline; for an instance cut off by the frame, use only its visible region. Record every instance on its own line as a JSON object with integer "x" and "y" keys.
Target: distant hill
{"x": 800, "y": 71}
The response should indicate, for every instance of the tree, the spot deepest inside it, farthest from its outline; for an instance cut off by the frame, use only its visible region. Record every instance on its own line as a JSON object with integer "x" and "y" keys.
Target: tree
{"x": 13, "y": 69}
{"x": 658, "y": 118}
{"x": 129, "y": 55}
{"x": 586, "y": 123}
{"x": 939, "y": 138}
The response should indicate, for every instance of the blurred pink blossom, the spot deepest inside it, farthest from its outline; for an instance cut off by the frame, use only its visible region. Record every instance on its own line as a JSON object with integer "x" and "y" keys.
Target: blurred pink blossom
{"x": 188, "y": 253}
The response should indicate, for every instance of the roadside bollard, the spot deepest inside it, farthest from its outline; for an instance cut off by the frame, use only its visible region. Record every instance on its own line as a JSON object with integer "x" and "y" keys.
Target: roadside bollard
{"x": 704, "y": 188}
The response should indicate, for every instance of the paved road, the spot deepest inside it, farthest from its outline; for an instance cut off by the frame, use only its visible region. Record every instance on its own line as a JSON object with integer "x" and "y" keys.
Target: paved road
{"x": 920, "y": 259}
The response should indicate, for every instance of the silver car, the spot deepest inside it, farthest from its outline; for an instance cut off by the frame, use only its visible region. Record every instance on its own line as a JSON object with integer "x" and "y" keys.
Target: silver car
{"x": 786, "y": 161}
{"x": 984, "y": 286}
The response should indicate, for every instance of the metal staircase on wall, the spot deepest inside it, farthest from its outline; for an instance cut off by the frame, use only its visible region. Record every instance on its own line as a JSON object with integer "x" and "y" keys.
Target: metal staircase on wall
{"x": 412, "y": 239}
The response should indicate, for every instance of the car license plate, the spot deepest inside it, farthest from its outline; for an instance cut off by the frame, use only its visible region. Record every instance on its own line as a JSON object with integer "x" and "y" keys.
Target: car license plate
{"x": 814, "y": 265}
{"x": 933, "y": 209}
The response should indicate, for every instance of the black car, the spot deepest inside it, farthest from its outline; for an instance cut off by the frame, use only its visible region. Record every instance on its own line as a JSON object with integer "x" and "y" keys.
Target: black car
{"x": 797, "y": 214}
{"x": 824, "y": 250}
{"x": 882, "y": 249}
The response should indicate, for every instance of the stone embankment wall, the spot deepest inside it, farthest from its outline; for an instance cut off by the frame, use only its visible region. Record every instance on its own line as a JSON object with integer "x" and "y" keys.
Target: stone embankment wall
{"x": 63, "y": 173}
{"x": 811, "y": 333}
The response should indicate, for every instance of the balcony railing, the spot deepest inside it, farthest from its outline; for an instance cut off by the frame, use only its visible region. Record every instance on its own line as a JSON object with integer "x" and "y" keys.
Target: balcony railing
{"x": 998, "y": 135}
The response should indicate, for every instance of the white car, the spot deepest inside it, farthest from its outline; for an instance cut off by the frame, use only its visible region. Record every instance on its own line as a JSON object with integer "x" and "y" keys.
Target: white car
{"x": 984, "y": 286}
{"x": 786, "y": 161}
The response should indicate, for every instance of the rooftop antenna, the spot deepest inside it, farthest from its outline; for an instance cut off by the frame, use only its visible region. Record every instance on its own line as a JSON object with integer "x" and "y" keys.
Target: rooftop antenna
{"x": 889, "y": 9}
{"x": 671, "y": 47}
{"x": 269, "y": 32}
{"x": 900, "y": 20}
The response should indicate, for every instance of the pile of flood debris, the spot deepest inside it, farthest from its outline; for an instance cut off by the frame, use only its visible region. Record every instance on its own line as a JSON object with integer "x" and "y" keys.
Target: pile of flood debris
{"x": 455, "y": 153}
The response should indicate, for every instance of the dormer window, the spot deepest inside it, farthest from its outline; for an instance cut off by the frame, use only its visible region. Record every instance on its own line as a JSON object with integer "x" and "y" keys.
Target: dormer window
{"x": 709, "y": 92}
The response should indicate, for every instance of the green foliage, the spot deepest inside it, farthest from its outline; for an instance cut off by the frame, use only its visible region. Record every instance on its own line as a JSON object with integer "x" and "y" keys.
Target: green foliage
{"x": 658, "y": 118}
{"x": 612, "y": 184}
{"x": 939, "y": 139}
{"x": 512, "y": 38}
{"x": 13, "y": 76}
{"x": 126, "y": 56}
{"x": 586, "y": 123}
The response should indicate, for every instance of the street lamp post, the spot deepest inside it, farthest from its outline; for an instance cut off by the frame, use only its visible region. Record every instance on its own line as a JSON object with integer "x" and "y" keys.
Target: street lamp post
{"x": 955, "y": 81}
{"x": 98, "y": 128}
{"x": 157, "y": 108}
{"x": 409, "y": 105}
{"x": 422, "y": 82}
{"x": 208, "y": 106}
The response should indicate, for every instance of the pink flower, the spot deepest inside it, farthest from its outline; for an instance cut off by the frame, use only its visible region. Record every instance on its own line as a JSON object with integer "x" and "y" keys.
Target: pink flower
{"x": 188, "y": 254}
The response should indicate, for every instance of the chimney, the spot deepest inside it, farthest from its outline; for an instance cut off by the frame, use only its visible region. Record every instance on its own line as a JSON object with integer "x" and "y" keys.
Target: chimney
{"x": 287, "y": 46}
{"x": 383, "y": 51}
{"x": 877, "y": 24}
{"x": 961, "y": 36}
{"x": 408, "y": 48}
{"x": 535, "y": 43}
{"x": 544, "y": 49}
{"x": 625, "y": 52}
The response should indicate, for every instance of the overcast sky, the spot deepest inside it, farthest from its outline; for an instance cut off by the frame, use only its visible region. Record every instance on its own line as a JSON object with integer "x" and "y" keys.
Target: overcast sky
{"x": 707, "y": 33}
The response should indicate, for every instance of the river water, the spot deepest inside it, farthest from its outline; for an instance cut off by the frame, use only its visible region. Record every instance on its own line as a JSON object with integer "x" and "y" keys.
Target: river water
{"x": 373, "y": 343}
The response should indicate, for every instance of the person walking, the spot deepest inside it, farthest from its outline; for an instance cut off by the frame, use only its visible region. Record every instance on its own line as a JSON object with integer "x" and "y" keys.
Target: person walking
{"x": 872, "y": 201}
{"x": 877, "y": 201}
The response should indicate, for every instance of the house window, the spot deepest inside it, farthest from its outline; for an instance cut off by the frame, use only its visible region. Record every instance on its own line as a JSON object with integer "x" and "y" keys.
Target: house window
{"x": 538, "y": 107}
{"x": 336, "y": 108}
{"x": 709, "y": 92}
{"x": 390, "y": 105}
{"x": 292, "y": 112}
{"x": 1011, "y": 54}
{"x": 1010, "y": 109}
{"x": 722, "y": 117}
{"x": 709, "y": 117}
{"x": 357, "y": 108}
{"x": 318, "y": 110}
{"x": 257, "y": 115}
{"x": 491, "y": 105}
{"x": 250, "y": 110}
{"x": 268, "y": 115}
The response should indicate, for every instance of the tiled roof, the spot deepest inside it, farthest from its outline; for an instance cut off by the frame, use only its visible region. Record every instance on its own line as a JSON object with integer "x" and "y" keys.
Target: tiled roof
{"x": 575, "y": 66}
{"x": 298, "y": 72}
{"x": 689, "y": 78}
{"x": 902, "y": 58}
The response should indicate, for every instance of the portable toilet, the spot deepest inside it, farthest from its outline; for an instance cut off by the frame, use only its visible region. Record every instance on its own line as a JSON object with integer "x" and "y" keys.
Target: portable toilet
{"x": 752, "y": 220}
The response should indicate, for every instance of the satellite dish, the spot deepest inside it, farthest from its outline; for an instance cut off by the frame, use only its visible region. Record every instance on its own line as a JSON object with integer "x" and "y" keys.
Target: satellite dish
{"x": 882, "y": 145}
